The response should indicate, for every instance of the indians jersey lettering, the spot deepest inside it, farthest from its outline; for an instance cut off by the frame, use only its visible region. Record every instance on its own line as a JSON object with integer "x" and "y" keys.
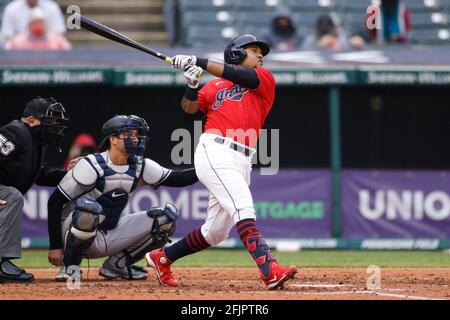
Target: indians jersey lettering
{"x": 235, "y": 93}
{"x": 229, "y": 106}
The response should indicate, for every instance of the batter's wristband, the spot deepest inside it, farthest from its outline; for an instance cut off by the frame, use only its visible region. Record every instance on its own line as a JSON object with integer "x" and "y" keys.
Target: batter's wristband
{"x": 202, "y": 63}
{"x": 191, "y": 94}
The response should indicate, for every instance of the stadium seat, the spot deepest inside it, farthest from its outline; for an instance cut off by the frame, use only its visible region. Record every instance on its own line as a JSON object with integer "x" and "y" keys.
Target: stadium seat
{"x": 431, "y": 36}
{"x": 307, "y": 18}
{"x": 429, "y": 19}
{"x": 258, "y": 32}
{"x": 315, "y": 5}
{"x": 200, "y": 18}
{"x": 261, "y": 18}
{"x": 354, "y": 21}
{"x": 205, "y": 5}
{"x": 256, "y": 5}
{"x": 423, "y": 5}
{"x": 351, "y": 5}
{"x": 208, "y": 36}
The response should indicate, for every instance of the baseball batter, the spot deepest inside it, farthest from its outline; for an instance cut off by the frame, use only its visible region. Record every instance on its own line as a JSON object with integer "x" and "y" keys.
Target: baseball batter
{"x": 236, "y": 106}
{"x": 85, "y": 215}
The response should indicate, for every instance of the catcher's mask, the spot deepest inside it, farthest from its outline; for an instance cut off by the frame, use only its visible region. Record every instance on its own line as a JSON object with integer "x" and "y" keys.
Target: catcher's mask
{"x": 124, "y": 124}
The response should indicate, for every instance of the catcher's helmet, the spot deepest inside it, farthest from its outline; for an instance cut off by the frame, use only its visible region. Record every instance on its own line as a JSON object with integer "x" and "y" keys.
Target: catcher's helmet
{"x": 53, "y": 117}
{"x": 235, "y": 52}
{"x": 123, "y": 123}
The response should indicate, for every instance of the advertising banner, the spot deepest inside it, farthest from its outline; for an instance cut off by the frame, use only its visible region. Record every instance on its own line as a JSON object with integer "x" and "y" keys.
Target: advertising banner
{"x": 291, "y": 204}
{"x": 382, "y": 204}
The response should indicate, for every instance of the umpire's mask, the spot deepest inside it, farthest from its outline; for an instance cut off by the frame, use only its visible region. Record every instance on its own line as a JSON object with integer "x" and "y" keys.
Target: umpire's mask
{"x": 53, "y": 117}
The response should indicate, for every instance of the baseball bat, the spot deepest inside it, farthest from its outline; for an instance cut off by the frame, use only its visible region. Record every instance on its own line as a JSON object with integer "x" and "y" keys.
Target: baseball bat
{"x": 113, "y": 35}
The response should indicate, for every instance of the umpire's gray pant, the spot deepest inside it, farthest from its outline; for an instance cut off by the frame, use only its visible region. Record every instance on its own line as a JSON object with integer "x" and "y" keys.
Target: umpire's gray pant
{"x": 10, "y": 222}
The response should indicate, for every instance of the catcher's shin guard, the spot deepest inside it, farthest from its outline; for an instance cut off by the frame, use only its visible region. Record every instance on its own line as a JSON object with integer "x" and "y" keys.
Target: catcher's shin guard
{"x": 164, "y": 223}
{"x": 82, "y": 231}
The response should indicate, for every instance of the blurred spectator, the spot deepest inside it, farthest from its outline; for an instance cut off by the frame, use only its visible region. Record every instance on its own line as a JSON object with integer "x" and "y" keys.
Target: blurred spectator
{"x": 283, "y": 34}
{"x": 3, "y": 4}
{"x": 83, "y": 145}
{"x": 16, "y": 17}
{"x": 37, "y": 36}
{"x": 329, "y": 36}
{"x": 172, "y": 17}
{"x": 395, "y": 23}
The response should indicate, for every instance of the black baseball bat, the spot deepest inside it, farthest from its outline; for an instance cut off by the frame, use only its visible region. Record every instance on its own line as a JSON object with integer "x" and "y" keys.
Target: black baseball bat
{"x": 113, "y": 35}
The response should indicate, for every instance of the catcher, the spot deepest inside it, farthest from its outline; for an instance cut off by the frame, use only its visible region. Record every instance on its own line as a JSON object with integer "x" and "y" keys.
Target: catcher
{"x": 85, "y": 212}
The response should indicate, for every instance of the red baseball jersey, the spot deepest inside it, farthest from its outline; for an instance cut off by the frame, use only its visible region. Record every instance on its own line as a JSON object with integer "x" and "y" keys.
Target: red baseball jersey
{"x": 237, "y": 112}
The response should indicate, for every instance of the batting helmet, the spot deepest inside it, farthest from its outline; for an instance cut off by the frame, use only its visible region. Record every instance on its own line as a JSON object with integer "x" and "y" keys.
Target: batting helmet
{"x": 123, "y": 123}
{"x": 235, "y": 52}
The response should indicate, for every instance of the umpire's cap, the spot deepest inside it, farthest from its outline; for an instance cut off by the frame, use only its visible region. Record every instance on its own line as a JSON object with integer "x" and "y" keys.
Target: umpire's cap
{"x": 235, "y": 52}
{"x": 39, "y": 107}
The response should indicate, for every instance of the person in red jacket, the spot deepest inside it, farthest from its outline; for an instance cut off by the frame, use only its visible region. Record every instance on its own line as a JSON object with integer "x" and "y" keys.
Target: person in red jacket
{"x": 37, "y": 36}
{"x": 83, "y": 145}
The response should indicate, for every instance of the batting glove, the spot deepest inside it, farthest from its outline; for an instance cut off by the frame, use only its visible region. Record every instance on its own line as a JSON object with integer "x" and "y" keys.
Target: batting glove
{"x": 193, "y": 74}
{"x": 181, "y": 62}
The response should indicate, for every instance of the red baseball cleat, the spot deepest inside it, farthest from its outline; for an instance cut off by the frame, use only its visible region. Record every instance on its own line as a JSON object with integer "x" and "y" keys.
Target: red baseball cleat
{"x": 157, "y": 260}
{"x": 278, "y": 275}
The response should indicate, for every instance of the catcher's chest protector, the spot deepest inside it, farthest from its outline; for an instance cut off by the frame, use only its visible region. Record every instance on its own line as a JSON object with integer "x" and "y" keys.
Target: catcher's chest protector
{"x": 110, "y": 177}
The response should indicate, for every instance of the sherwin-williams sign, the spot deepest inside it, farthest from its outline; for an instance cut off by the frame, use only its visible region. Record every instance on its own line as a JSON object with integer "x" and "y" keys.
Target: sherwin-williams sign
{"x": 395, "y": 204}
{"x": 290, "y": 204}
{"x": 54, "y": 76}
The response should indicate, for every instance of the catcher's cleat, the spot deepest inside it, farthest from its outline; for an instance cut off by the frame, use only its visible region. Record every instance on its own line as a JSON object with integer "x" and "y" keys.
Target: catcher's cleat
{"x": 139, "y": 268}
{"x": 157, "y": 260}
{"x": 110, "y": 272}
{"x": 73, "y": 271}
{"x": 10, "y": 273}
{"x": 278, "y": 275}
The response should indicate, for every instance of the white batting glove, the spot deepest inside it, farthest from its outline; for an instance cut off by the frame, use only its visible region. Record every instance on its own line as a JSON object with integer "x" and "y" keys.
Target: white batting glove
{"x": 193, "y": 74}
{"x": 181, "y": 61}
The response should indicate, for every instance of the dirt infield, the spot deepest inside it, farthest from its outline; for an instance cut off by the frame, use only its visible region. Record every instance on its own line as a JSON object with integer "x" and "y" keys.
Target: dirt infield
{"x": 242, "y": 284}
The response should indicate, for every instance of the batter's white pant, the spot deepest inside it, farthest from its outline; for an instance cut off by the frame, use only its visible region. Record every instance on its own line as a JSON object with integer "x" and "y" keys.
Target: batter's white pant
{"x": 226, "y": 174}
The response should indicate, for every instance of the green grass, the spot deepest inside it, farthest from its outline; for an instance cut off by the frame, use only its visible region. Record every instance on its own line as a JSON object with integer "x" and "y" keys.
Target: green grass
{"x": 306, "y": 258}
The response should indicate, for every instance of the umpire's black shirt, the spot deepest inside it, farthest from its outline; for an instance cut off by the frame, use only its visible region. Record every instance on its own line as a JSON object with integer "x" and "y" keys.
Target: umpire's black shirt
{"x": 21, "y": 155}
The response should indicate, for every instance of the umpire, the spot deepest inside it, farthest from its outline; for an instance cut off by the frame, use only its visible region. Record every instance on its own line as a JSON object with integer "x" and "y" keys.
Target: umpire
{"x": 22, "y": 142}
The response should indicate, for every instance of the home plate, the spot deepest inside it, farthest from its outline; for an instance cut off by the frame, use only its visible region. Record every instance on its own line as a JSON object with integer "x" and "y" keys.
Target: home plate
{"x": 318, "y": 285}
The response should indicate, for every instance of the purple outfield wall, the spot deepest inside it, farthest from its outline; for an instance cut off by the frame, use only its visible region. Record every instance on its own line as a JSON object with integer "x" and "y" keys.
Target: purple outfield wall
{"x": 290, "y": 204}
{"x": 396, "y": 204}
{"x": 297, "y": 204}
